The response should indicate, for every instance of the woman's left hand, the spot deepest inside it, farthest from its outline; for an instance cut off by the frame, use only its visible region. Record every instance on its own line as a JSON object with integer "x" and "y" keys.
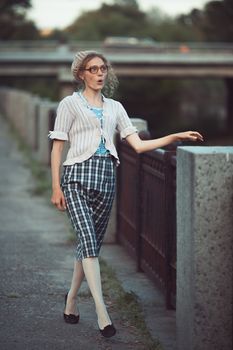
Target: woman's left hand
{"x": 189, "y": 136}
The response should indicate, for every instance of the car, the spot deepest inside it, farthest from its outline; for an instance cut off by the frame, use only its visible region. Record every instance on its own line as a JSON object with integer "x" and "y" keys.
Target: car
{"x": 127, "y": 42}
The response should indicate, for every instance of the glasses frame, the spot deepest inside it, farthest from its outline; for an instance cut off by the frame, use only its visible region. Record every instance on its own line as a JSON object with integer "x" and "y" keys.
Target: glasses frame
{"x": 103, "y": 68}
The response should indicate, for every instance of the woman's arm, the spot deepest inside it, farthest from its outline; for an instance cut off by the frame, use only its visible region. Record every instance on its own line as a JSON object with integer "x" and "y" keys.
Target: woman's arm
{"x": 57, "y": 198}
{"x": 141, "y": 146}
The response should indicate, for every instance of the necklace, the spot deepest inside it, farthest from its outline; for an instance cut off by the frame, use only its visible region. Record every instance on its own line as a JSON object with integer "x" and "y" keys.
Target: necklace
{"x": 98, "y": 111}
{"x": 86, "y": 101}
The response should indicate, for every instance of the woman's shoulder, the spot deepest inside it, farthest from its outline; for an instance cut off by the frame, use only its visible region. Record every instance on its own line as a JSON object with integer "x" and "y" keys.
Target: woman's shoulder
{"x": 69, "y": 103}
{"x": 68, "y": 100}
{"x": 112, "y": 102}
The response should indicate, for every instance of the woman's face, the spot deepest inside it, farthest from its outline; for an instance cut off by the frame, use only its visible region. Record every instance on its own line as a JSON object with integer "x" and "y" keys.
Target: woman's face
{"x": 95, "y": 74}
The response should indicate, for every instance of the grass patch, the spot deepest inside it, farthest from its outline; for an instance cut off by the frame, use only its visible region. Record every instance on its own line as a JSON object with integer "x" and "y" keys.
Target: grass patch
{"x": 40, "y": 172}
{"x": 13, "y": 295}
{"x": 127, "y": 304}
{"x": 41, "y": 175}
{"x": 43, "y": 182}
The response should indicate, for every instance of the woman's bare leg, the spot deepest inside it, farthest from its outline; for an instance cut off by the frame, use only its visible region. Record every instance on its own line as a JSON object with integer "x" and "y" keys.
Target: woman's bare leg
{"x": 78, "y": 275}
{"x": 92, "y": 273}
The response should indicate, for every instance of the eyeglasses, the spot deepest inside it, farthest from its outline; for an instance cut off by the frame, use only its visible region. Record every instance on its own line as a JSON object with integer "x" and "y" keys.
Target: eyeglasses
{"x": 95, "y": 69}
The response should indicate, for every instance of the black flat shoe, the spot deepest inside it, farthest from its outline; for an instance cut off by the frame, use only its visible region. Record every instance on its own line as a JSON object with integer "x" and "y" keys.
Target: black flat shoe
{"x": 72, "y": 319}
{"x": 108, "y": 331}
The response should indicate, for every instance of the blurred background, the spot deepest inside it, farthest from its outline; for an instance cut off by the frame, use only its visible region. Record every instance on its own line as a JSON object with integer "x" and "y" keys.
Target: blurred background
{"x": 169, "y": 31}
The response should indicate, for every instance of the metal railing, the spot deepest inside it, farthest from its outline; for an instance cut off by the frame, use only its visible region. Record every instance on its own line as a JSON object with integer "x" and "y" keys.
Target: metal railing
{"x": 146, "y": 214}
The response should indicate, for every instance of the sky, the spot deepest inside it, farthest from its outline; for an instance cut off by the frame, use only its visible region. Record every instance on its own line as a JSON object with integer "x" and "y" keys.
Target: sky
{"x": 61, "y": 13}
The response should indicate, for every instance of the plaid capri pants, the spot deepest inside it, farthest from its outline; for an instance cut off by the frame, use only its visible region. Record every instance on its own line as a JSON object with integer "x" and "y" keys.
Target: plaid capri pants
{"x": 89, "y": 189}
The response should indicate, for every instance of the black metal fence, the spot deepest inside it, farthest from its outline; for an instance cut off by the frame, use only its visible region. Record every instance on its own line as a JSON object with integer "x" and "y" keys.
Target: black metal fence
{"x": 146, "y": 213}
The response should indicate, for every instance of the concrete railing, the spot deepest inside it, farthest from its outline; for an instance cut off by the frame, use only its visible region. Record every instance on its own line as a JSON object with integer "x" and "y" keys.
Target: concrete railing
{"x": 30, "y": 116}
{"x": 204, "y": 248}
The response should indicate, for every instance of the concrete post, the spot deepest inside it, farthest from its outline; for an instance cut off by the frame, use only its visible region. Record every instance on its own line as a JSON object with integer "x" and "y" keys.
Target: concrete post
{"x": 204, "y": 248}
{"x": 43, "y": 152}
{"x": 66, "y": 85}
{"x": 32, "y": 121}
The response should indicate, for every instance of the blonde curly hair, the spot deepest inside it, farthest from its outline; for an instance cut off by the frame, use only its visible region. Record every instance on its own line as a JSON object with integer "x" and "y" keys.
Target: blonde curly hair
{"x": 79, "y": 63}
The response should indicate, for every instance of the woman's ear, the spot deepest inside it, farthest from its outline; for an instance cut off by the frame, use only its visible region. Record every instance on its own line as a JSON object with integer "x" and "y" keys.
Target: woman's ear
{"x": 81, "y": 76}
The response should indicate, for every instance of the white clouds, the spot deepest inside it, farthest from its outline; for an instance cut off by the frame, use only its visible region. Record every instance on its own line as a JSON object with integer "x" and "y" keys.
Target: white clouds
{"x": 56, "y": 13}
{"x": 60, "y": 13}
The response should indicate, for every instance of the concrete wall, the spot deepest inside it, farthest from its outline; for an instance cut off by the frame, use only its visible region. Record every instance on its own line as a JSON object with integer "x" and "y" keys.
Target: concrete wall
{"x": 29, "y": 115}
{"x": 44, "y": 110}
{"x": 204, "y": 248}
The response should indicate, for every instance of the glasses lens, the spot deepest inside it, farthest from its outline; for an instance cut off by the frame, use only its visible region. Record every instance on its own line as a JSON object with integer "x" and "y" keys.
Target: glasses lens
{"x": 104, "y": 69}
{"x": 94, "y": 69}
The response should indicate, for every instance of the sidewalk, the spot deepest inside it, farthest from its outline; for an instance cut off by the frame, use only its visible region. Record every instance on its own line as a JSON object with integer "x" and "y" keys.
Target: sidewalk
{"x": 36, "y": 269}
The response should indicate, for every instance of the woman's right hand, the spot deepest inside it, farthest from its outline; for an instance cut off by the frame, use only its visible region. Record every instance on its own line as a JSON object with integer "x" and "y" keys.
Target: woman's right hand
{"x": 58, "y": 199}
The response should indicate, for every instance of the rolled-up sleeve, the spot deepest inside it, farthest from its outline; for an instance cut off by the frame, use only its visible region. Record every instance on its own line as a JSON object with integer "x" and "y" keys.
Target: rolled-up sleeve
{"x": 124, "y": 124}
{"x": 62, "y": 123}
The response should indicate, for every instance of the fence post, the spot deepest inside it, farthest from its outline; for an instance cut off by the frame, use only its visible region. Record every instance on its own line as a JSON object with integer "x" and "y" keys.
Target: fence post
{"x": 168, "y": 224}
{"x": 139, "y": 211}
{"x": 118, "y": 192}
{"x": 144, "y": 135}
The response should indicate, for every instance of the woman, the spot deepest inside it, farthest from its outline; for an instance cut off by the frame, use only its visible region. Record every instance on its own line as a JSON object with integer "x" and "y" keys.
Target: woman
{"x": 88, "y": 120}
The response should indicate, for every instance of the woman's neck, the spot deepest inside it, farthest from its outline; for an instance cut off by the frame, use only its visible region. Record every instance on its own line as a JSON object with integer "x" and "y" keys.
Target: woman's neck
{"x": 94, "y": 98}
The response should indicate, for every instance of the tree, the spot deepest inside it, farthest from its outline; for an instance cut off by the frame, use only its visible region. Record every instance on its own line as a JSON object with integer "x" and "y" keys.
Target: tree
{"x": 14, "y": 5}
{"x": 124, "y": 18}
{"x": 218, "y": 19}
{"x": 191, "y": 24}
{"x": 167, "y": 28}
{"x": 108, "y": 20}
{"x": 214, "y": 21}
{"x": 130, "y": 3}
{"x": 13, "y": 24}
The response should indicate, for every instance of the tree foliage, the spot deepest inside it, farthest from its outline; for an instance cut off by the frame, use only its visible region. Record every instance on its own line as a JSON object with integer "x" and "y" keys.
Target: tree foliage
{"x": 14, "y": 5}
{"x": 109, "y": 20}
{"x": 124, "y": 18}
{"x": 171, "y": 29}
{"x": 129, "y": 3}
{"x": 13, "y": 22}
{"x": 215, "y": 22}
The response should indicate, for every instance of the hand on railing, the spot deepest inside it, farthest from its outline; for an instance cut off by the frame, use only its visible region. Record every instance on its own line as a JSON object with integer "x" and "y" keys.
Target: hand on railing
{"x": 188, "y": 136}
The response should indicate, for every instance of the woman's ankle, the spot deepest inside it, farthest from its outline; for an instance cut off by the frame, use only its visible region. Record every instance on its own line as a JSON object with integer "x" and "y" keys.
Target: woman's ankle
{"x": 102, "y": 316}
{"x": 72, "y": 295}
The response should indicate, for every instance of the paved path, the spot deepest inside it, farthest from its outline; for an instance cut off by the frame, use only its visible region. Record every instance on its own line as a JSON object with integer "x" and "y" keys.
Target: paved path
{"x": 36, "y": 268}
